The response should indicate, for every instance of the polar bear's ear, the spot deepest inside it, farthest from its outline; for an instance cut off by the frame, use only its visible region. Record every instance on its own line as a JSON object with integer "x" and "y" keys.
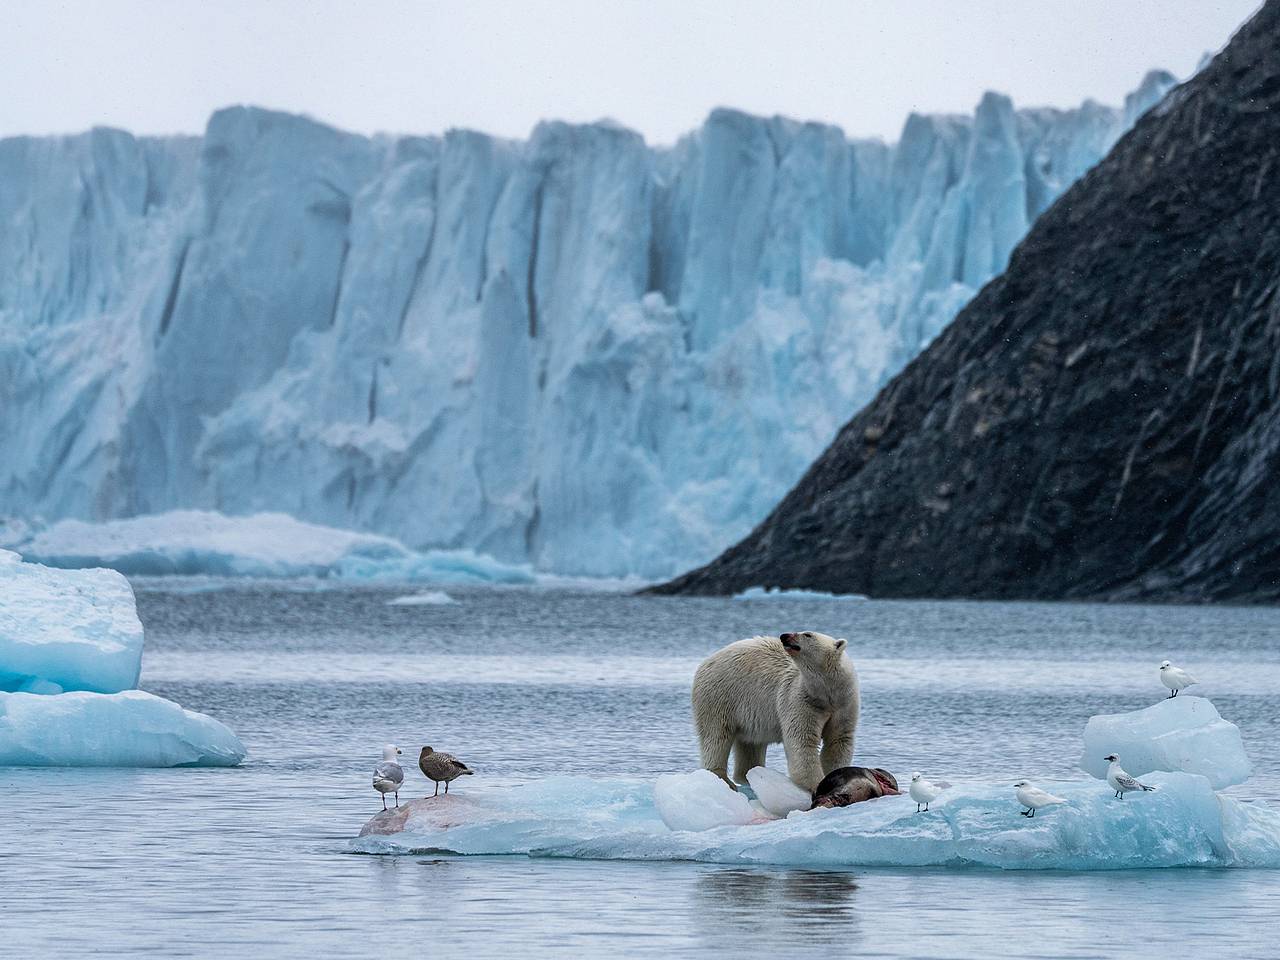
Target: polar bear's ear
{"x": 840, "y": 643}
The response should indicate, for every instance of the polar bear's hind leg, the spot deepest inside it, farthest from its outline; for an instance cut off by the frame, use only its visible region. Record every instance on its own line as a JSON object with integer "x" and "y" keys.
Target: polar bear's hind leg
{"x": 714, "y": 746}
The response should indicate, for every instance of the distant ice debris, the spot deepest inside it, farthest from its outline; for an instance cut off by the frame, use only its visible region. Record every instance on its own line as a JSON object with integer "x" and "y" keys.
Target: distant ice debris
{"x": 428, "y": 598}
{"x": 1185, "y": 733}
{"x": 200, "y": 542}
{"x": 128, "y": 729}
{"x": 73, "y": 630}
{"x": 696, "y": 817}
{"x": 777, "y": 593}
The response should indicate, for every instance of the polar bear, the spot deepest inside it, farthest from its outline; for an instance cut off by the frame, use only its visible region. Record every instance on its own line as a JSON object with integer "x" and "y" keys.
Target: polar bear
{"x": 796, "y": 689}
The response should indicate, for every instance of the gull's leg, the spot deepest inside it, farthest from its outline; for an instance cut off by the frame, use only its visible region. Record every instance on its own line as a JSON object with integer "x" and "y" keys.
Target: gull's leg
{"x": 437, "y": 793}
{"x": 446, "y": 786}
{"x": 384, "y": 801}
{"x": 397, "y": 798}
{"x": 917, "y": 808}
{"x": 926, "y": 808}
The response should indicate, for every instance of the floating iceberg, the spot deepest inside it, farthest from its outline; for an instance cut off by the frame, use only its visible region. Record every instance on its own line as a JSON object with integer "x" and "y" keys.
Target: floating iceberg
{"x": 129, "y": 729}
{"x": 200, "y": 542}
{"x": 776, "y": 593}
{"x": 66, "y": 630}
{"x": 78, "y": 630}
{"x": 1183, "y": 823}
{"x": 1182, "y": 733}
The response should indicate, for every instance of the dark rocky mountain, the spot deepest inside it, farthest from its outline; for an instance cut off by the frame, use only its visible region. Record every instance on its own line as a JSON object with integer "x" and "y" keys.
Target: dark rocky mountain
{"x": 1103, "y": 420}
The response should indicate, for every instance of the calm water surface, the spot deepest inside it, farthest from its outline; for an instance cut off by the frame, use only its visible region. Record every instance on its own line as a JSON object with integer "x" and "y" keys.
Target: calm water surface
{"x": 529, "y": 683}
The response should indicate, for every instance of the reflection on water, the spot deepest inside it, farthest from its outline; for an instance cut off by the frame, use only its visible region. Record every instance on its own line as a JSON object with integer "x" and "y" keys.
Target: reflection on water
{"x": 818, "y": 906}
{"x": 527, "y": 684}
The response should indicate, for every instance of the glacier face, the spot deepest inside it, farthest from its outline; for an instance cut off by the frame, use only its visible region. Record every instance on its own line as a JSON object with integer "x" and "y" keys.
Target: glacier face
{"x": 578, "y": 351}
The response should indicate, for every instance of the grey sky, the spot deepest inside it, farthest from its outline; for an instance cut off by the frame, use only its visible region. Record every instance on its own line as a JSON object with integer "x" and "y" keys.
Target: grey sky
{"x": 160, "y": 66}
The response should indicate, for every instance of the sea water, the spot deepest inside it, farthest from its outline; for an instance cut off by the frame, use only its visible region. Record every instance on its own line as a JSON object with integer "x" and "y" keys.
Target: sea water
{"x": 529, "y": 683}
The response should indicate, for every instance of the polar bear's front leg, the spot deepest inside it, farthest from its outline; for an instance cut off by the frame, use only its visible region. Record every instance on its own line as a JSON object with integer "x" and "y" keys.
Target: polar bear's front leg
{"x": 837, "y": 749}
{"x": 800, "y": 740}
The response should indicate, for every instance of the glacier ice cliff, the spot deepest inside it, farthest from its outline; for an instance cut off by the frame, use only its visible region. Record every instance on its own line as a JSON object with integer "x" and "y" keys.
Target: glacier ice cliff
{"x": 579, "y": 351}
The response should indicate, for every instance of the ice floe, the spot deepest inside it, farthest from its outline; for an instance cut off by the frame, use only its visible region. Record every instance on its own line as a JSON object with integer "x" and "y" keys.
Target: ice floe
{"x": 129, "y": 729}
{"x": 1183, "y": 823}
{"x": 70, "y": 649}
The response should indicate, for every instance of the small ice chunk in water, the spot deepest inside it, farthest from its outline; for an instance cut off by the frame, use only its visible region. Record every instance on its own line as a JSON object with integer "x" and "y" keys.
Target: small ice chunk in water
{"x": 1181, "y": 734}
{"x": 699, "y": 801}
{"x": 428, "y": 598}
{"x": 777, "y": 793}
{"x": 129, "y": 729}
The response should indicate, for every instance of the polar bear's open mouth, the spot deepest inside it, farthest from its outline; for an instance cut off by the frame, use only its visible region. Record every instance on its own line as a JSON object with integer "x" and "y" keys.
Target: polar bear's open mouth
{"x": 789, "y": 642}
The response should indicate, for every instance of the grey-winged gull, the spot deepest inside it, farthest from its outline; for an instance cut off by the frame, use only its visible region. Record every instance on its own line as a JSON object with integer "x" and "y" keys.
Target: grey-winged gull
{"x": 388, "y": 776}
{"x": 1120, "y": 781}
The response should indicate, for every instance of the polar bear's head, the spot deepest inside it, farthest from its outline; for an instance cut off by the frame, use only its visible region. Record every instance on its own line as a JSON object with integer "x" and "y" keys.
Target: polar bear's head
{"x": 812, "y": 649}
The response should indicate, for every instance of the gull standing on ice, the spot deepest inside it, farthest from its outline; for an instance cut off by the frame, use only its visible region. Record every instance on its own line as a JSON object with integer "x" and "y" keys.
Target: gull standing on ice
{"x": 442, "y": 768}
{"x": 1120, "y": 781}
{"x": 1175, "y": 678}
{"x": 925, "y": 792}
{"x": 388, "y": 776}
{"x": 1033, "y": 798}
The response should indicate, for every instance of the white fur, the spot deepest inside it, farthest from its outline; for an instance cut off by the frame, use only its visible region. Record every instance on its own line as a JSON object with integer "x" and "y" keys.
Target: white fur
{"x": 753, "y": 693}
